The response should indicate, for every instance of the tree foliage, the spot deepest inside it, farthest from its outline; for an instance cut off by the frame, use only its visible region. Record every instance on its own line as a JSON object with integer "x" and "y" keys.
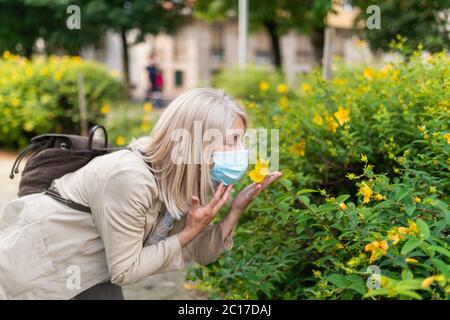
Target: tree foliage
{"x": 423, "y": 22}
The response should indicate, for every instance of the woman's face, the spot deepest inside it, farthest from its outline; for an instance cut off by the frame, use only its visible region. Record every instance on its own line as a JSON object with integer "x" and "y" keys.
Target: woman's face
{"x": 234, "y": 140}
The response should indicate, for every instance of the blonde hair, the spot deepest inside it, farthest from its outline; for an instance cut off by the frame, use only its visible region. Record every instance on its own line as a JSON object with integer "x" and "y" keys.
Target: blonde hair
{"x": 178, "y": 182}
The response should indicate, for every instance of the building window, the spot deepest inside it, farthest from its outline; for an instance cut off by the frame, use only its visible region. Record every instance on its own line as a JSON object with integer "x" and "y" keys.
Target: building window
{"x": 263, "y": 57}
{"x": 178, "y": 78}
{"x": 216, "y": 55}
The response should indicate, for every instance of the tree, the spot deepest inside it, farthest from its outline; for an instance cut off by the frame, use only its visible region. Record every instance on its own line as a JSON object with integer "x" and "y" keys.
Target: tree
{"x": 423, "y": 22}
{"x": 142, "y": 16}
{"x": 277, "y": 17}
{"x": 22, "y": 22}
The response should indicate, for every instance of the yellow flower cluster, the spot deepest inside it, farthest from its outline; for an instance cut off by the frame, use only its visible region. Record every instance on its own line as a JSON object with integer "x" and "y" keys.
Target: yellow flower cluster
{"x": 366, "y": 192}
{"x": 264, "y": 86}
{"x": 147, "y": 108}
{"x": 397, "y": 234}
{"x": 120, "y": 140}
{"x": 342, "y": 115}
{"x": 377, "y": 249}
{"x": 260, "y": 171}
{"x": 306, "y": 87}
{"x": 298, "y": 148}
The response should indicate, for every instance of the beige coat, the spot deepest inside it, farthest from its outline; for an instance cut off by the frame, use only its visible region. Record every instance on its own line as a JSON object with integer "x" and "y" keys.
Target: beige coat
{"x": 50, "y": 251}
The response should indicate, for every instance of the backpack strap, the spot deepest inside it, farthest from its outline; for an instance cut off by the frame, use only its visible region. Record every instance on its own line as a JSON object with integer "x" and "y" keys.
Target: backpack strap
{"x": 55, "y": 195}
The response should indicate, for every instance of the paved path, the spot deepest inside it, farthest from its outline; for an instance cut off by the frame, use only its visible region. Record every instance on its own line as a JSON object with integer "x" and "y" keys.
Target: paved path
{"x": 169, "y": 285}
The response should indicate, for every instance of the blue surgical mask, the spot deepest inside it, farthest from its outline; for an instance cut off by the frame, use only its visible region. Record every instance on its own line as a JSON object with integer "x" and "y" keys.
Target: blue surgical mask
{"x": 229, "y": 166}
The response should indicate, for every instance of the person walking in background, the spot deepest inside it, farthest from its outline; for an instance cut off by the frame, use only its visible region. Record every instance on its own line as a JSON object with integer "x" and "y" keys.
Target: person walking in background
{"x": 154, "y": 92}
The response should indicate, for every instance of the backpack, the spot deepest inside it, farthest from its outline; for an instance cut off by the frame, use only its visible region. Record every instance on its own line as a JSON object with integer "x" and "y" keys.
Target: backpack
{"x": 54, "y": 155}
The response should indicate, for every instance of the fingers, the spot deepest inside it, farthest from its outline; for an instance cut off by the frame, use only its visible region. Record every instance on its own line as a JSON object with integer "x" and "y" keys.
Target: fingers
{"x": 217, "y": 195}
{"x": 223, "y": 199}
{"x": 195, "y": 203}
{"x": 271, "y": 178}
{"x": 258, "y": 187}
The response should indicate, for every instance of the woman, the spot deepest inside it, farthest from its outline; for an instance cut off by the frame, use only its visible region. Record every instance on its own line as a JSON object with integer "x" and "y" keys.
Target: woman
{"x": 150, "y": 211}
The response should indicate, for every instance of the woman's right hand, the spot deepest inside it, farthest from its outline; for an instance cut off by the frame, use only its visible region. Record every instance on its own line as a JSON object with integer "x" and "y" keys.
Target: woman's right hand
{"x": 198, "y": 218}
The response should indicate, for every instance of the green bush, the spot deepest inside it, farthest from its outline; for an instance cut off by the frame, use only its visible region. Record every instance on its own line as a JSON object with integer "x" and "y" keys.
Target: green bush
{"x": 366, "y": 167}
{"x": 41, "y": 95}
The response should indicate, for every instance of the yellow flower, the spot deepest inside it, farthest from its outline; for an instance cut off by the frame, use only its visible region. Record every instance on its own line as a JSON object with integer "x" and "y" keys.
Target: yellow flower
{"x": 104, "y": 109}
{"x": 411, "y": 260}
{"x": 283, "y": 102}
{"x": 343, "y": 206}
{"x": 403, "y": 230}
{"x": 363, "y": 157}
{"x": 447, "y": 136}
{"x": 306, "y": 87}
{"x": 368, "y": 73}
{"x": 15, "y": 102}
{"x": 29, "y": 71}
{"x": 340, "y": 81}
{"x": 264, "y": 86}
{"x": 417, "y": 200}
{"x": 318, "y": 119}
{"x": 75, "y": 59}
{"x": 251, "y": 105}
{"x": 28, "y": 126}
{"x": 394, "y": 236}
{"x": 331, "y": 124}
{"x": 282, "y": 88}
{"x": 145, "y": 126}
{"x": 377, "y": 249}
{"x": 58, "y": 75}
{"x": 413, "y": 228}
{"x": 115, "y": 73}
{"x": 366, "y": 192}
{"x": 379, "y": 197}
{"x": 298, "y": 148}
{"x": 148, "y": 107}
{"x": 44, "y": 71}
{"x": 428, "y": 281}
{"x": 6, "y": 54}
{"x": 317, "y": 273}
{"x": 120, "y": 140}
{"x": 342, "y": 115}
{"x": 260, "y": 171}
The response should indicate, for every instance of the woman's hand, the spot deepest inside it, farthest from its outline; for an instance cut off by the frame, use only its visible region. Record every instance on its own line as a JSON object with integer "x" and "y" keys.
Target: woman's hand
{"x": 199, "y": 218}
{"x": 249, "y": 193}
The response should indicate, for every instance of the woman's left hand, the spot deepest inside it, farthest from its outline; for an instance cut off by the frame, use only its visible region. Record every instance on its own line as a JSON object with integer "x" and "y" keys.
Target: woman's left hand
{"x": 249, "y": 193}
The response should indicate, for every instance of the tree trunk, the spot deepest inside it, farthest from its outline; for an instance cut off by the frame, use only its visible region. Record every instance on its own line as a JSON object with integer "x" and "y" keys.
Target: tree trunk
{"x": 318, "y": 40}
{"x": 125, "y": 58}
{"x": 271, "y": 27}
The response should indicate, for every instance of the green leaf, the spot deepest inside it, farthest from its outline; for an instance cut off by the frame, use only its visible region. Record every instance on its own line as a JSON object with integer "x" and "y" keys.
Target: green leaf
{"x": 410, "y": 294}
{"x": 357, "y": 284}
{"x": 303, "y": 191}
{"x": 376, "y": 292}
{"x": 441, "y": 250}
{"x": 286, "y": 183}
{"x": 443, "y": 268}
{"x": 342, "y": 198}
{"x": 410, "y": 245}
{"x": 338, "y": 280}
{"x": 304, "y": 199}
{"x": 423, "y": 228}
{"x": 410, "y": 209}
{"x": 401, "y": 194}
